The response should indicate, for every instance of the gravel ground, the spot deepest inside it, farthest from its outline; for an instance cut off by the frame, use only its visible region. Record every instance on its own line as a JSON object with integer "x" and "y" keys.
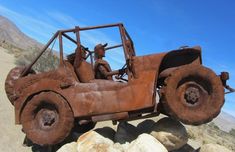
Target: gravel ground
{"x": 11, "y": 135}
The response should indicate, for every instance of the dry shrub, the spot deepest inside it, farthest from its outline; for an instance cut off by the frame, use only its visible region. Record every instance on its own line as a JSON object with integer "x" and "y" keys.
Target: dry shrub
{"x": 232, "y": 132}
{"x": 47, "y": 61}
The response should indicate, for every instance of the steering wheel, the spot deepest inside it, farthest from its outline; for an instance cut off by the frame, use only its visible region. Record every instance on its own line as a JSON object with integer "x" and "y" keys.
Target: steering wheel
{"x": 121, "y": 75}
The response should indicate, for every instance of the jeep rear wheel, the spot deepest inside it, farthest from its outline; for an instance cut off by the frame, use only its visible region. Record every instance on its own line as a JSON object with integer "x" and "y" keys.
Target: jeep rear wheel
{"x": 193, "y": 94}
{"x": 47, "y": 119}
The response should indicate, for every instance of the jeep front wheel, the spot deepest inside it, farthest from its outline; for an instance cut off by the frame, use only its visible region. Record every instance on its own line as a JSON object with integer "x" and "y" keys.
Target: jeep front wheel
{"x": 193, "y": 94}
{"x": 47, "y": 119}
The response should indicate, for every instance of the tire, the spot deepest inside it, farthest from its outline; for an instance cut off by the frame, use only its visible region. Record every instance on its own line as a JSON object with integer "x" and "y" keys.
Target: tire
{"x": 12, "y": 76}
{"x": 47, "y": 119}
{"x": 193, "y": 94}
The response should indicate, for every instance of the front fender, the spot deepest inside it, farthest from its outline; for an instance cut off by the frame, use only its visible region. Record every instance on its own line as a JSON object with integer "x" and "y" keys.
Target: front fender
{"x": 162, "y": 61}
{"x": 177, "y": 58}
{"x": 29, "y": 92}
{"x": 148, "y": 68}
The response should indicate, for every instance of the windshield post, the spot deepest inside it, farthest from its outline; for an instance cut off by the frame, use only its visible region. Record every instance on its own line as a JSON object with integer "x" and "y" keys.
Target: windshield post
{"x": 122, "y": 33}
{"x": 61, "y": 48}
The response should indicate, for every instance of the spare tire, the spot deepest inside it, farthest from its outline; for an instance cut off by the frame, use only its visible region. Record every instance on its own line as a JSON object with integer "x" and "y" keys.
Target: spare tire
{"x": 193, "y": 94}
{"x": 12, "y": 76}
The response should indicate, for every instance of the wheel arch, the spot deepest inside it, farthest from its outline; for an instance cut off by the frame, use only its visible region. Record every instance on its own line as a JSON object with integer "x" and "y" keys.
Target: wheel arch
{"x": 19, "y": 112}
{"x": 177, "y": 58}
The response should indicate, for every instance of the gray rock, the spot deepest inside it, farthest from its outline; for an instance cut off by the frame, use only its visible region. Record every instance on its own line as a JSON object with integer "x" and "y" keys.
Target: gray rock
{"x": 171, "y": 133}
{"x": 126, "y": 133}
{"x": 146, "y": 126}
{"x": 185, "y": 148}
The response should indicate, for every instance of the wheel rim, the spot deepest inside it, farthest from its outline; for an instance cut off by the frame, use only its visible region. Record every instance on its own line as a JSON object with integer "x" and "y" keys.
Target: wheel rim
{"x": 47, "y": 118}
{"x": 192, "y": 93}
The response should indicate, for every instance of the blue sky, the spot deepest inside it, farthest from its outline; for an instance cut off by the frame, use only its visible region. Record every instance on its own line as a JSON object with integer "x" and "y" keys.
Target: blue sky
{"x": 154, "y": 25}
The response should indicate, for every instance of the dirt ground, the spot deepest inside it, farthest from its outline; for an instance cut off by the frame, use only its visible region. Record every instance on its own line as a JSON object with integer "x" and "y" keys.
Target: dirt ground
{"x": 11, "y": 135}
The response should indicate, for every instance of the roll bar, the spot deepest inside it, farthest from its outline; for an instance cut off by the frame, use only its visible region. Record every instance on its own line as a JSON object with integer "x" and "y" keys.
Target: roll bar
{"x": 63, "y": 33}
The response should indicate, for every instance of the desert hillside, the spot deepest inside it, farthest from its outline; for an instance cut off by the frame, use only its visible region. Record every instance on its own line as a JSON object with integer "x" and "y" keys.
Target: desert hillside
{"x": 225, "y": 121}
{"x": 11, "y": 34}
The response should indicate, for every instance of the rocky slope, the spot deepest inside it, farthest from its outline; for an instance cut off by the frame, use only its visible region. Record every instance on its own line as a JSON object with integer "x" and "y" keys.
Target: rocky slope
{"x": 225, "y": 118}
{"x": 11, "y": 34}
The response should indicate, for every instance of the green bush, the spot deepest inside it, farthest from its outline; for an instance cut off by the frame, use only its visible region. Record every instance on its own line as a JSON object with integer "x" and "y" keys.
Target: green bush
{"x": 214, "y": 126}
{"x": 47, "y": 61}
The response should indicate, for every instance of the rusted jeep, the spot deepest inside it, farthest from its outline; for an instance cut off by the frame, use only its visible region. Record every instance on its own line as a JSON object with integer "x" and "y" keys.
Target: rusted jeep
{"x": 50, "y": 104}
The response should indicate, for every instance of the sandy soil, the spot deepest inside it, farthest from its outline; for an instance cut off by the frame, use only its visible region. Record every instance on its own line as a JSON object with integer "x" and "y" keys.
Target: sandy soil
{"x": 11, "y": 135}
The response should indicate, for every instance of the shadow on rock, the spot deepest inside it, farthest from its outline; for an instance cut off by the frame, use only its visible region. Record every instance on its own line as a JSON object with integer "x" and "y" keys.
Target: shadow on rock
{"x": 185, "y": 148}
{"x": 146, "y": 126}
{"x": 171, "y": 133}
{"x": 126, "y": 133}
{"x": 106, "y": 132}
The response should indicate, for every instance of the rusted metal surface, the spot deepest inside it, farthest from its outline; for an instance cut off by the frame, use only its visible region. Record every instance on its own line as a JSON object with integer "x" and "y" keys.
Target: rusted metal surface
{"x": 48, "y": 115}
{"x": 188, "y": 91}
{"x": 196, "y": 91}
{"x": 13, "y": 75}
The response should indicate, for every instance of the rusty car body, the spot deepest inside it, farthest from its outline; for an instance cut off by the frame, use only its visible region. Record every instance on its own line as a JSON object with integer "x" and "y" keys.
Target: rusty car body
{"x": 175, "y": 83}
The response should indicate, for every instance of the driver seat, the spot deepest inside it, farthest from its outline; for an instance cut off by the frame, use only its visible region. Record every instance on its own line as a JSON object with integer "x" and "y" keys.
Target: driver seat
{"x": 85, "y": 72}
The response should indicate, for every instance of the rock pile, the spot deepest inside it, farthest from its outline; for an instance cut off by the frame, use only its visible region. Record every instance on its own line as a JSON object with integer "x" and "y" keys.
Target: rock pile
{"x": 148, "y": 136}
{"x": 92, "y": 141}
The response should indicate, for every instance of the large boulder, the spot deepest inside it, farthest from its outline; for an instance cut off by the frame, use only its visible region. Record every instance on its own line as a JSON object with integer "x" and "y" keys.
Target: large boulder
{"x": 145, "y": 143}
{"x": 92, "y": 141}
{"x": 126, "y": 133}
{"x": 213, "y": 148}
{"x": 171, "y": 133}
{"x": 70, "y": 147}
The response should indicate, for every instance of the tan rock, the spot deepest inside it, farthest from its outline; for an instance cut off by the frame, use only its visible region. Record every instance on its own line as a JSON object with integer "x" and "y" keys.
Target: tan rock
{"x": 120, "y": 147}
{"x": 94, "y": 142}
{"x": 171, "y": 133}
{"x": 213, "y": 148}
{"x": 145, "y": 143}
